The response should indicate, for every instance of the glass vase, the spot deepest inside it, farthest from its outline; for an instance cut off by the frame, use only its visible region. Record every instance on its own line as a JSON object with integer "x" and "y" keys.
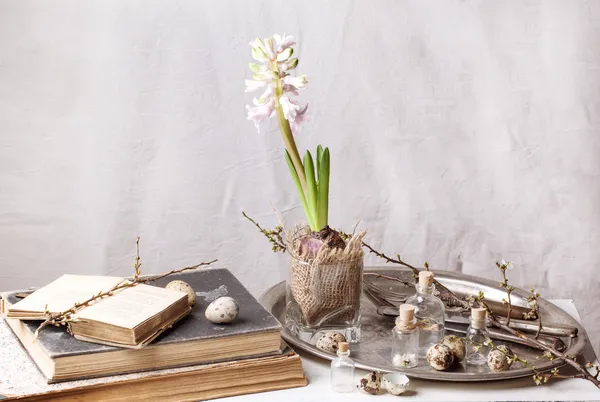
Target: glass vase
{"x": 325, "y": 296}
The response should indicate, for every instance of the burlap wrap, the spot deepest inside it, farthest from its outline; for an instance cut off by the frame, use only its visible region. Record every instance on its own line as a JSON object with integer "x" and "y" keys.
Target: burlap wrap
{"x": 328, "y": 288}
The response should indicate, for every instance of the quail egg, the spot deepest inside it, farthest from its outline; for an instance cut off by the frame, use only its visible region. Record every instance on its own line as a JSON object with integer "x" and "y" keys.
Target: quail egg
{"x": 456, "y": 345}
{"x": 185, "y": 288}
{"x": 498, "y": 358}
{"x": 329, "y": 341}
{"x": 223, "y": 310}
{"x": 440, "y": 357}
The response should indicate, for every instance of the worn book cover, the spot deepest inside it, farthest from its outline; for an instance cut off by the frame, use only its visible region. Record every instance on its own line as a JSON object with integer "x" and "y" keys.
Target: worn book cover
{"x": 247, "y": 336}
{"x": 20, "y": 379}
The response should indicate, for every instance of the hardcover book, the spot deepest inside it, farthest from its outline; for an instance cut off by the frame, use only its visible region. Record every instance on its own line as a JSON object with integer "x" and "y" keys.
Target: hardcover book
{"x": 131, "y": 317}
{"x": 193, "y": 340}
{"x": 20, "y": 379}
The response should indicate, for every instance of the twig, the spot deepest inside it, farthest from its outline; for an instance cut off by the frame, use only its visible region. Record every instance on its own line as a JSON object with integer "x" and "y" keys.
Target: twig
{"x": 535, "y": 343}
{"x": 503, "y": 266}
{"x": 391, "y": 278}
{"x": 448, "y": 295}
{"x": 397, "y": 260}
{"x": 273, "y": 235}
{"x": 534, "y": 313}
{"x": 66, "y": 317}
{"x": 137, "y": 264}
{"x": 175, "y": 271}
{"x": 542, "y": 377}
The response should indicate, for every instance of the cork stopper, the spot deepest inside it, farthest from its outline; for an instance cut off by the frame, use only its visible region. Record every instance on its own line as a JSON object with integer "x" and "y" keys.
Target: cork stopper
{"x": 478, "y": 317}
{"x": 425, "y": 279}
{"x": 478, "y": 313}
{"x": 407, "y": 312}
{"x": 343, "y": 346}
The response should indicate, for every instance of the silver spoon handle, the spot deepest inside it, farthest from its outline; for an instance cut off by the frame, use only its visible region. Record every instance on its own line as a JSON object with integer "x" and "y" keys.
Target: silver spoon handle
{"x": 498, "y": 334}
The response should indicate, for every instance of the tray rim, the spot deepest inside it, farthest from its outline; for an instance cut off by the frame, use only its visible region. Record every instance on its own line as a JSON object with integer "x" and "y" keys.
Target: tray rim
{"x": 275, "y": 293}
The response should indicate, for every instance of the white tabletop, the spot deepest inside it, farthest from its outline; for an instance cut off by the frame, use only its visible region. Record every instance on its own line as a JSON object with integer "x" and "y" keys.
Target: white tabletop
{"x": 318, "y": 390}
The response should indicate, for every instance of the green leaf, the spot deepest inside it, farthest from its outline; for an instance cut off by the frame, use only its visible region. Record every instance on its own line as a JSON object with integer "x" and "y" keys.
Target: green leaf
{"x": 323, "y": 200}
{"x": 319, "y": 157}
{"x": 311, "y": 188}
{"x": 294, "y": 174}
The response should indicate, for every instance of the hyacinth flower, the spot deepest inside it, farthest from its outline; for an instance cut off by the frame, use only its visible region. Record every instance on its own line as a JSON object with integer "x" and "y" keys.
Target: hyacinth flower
{"x": 271, "y": 75}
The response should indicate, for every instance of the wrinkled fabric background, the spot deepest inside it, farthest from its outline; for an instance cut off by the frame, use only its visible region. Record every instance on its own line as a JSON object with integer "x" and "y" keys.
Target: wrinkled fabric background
{"x": 461, "y": 132}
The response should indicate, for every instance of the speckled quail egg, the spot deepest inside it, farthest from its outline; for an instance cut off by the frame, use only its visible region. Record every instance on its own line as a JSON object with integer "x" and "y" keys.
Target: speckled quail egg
{"x": 222, "y": 311}
{"x": 498, "y": 358}
{"x": 371, "y": 383}
{"x": 185, "y": 288}
{"x": 456, "y": 345}
{"x": 440, "y": 357}
{"x": 329, "y": 341}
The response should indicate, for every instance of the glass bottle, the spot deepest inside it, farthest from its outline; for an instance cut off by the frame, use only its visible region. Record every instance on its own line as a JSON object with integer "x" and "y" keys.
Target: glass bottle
{"x": 405, "y": 338}
{"x": 429, "y": 312}
{"x": 342, "y": 370}
{"x": 478, "y": 338}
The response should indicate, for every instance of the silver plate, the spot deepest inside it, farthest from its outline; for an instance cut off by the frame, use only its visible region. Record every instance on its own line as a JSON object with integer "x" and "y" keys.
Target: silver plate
{"x": 373, "y": 350}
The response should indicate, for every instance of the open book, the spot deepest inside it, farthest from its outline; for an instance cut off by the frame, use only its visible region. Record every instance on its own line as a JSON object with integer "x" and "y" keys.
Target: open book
{"x": 194, "y": 340}
{"x": 132, "y": 317}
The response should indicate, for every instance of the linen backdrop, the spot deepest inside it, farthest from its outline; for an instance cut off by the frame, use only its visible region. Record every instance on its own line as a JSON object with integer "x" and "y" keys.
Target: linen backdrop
{"x": 461, "y": 132}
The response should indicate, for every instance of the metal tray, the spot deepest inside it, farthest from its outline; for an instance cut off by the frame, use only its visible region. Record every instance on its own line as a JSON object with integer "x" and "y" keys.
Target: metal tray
{"x": 373, "y": 350}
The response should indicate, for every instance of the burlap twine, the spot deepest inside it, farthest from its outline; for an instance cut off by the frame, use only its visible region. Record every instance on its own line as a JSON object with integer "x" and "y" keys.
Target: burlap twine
{"x": 328, "y": 288}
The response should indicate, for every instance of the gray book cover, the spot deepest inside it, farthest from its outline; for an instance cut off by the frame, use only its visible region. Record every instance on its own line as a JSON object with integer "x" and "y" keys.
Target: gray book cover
{"x": 208, "y": 284}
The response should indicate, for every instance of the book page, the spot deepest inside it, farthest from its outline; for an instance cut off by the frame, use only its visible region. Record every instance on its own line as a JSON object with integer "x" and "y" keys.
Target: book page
{"x": 64, "y": 292}
{"x": 130, "y": 307}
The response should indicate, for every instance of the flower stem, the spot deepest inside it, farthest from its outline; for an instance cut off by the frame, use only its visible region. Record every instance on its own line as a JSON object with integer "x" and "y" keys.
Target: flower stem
{"x": 290, "y": 144}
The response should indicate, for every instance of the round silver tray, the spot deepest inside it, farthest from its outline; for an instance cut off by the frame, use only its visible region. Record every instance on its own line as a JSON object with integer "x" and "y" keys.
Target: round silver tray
{"x": 373, "y": 350}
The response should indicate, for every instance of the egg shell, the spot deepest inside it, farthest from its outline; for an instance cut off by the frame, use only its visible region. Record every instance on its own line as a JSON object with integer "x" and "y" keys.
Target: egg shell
{"x": 395, "y": 383}
{"x": 183, "y": 287}
{"x": 456, "y": 345}
{"x": 371, "y": 383}
{"x": 440, "y": 357}
{"x": 223, "y": 310}
{"x": 329, "y": 341}
{"x": 498, "y": 359}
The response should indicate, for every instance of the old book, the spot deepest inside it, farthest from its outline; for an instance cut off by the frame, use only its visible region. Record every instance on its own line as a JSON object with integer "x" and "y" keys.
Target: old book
{"x": 132, "y": 317}
{"x": 20, "y": 379}
{"x": 194, "y": 340}
{"x": 60, "y": 295}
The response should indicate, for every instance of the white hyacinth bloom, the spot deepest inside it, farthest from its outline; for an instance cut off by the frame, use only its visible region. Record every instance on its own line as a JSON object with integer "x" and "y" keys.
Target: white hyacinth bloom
{"x": 272, "y": 74}
{"x": 252, "y": 85}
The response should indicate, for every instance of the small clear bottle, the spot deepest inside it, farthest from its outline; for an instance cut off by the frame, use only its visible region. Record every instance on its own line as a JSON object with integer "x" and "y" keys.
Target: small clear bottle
{"x": 405, "y": 338}
{"x": 429, "y": 312}
{"x": 478, "y": 338}
{"x": 342, "y": 370}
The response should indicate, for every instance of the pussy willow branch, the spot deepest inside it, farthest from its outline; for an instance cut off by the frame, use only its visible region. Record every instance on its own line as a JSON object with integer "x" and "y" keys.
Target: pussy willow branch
{"x": 273, "y": 235}
{"x": 503, "y": 266}
{"x": 398, "y": 260}
{"x": 138, "y": 261}
{"x": 540, "y": 377}
{"x": 534, "y": 313}
{"x": 391, "y": 278}
{"x": 65, "y": 317}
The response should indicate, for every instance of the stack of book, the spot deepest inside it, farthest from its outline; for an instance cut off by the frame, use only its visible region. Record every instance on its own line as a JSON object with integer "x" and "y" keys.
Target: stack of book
{"x": 147, "y": 343}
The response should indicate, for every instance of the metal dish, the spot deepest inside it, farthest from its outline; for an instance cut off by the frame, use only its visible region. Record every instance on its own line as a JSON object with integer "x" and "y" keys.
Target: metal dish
{"x": 373, "y": 351}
